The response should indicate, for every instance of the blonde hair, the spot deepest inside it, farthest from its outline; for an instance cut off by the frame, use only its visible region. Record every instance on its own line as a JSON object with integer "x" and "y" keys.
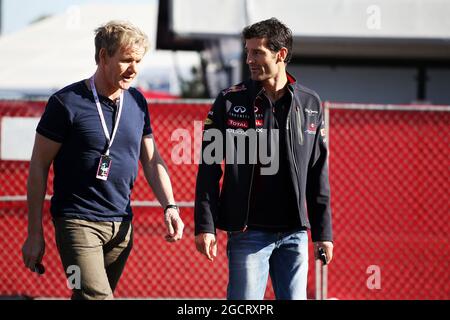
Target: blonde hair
{"x": 117, "y": 34}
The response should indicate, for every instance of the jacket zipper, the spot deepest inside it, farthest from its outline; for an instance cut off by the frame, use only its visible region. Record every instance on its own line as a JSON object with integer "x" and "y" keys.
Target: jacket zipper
{"x": 253, "y": 170}
{"x": 293, "y": 154}
{"x": 299, "y": 127}
{"x": 292, "y": 138}
{"x": 249, "y": 195}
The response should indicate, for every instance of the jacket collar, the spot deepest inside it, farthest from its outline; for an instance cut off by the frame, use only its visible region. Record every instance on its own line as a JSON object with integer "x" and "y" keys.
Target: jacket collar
{"x": 291, "y": 79}
{"x": 256, "y": 86}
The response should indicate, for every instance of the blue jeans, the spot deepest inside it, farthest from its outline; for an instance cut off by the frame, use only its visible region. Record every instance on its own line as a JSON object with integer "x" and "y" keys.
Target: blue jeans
{"x": 253, "y": 255}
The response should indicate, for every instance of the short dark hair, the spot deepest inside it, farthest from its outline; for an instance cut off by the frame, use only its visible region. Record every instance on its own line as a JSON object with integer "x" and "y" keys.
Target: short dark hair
{"x": 278, "y": 35}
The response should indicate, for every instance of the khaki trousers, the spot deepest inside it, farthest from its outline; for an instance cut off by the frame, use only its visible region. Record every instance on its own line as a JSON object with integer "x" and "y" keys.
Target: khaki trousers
{"x": 98, "y": 250}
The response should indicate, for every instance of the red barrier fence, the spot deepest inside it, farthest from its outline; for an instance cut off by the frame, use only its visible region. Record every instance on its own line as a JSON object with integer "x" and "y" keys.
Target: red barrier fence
{"x": 389, "y": 174}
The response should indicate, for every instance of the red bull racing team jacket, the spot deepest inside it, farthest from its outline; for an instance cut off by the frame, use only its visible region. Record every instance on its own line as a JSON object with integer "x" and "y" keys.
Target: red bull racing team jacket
{"x": 235, "y": 111}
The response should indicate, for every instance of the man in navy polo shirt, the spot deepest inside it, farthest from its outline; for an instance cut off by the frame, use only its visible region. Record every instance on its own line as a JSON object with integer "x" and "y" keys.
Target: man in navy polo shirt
{"x": 95, "y": 131}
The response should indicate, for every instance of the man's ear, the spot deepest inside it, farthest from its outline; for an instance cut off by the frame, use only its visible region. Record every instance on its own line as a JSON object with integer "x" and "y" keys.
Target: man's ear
{"x": 103, "y": 56}
{"x": 282, "y": 54}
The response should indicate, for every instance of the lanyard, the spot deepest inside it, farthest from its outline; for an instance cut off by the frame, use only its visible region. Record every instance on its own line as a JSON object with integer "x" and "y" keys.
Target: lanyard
{"x": 109, "y": 138}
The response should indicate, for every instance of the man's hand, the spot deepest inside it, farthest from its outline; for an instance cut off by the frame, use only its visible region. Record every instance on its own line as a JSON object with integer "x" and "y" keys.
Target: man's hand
{"x": 33, "y": 250}
{"x": 206, "y": 244}
{"x": 174, "y": 225}
{"x": 327, "y": 247}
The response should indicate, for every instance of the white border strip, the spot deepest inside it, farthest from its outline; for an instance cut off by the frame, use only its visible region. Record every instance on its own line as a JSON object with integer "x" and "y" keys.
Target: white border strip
{"x": 180, "y": 101}
{"x": 331, "y": 105}
{"x": 137, "y": 203}
{"x": 387, "y": 107}
{"x": 17, "y": 198}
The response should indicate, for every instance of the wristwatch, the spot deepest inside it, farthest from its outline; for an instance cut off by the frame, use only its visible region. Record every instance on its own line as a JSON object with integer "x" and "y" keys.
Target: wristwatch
{"x": 171, "y": 206}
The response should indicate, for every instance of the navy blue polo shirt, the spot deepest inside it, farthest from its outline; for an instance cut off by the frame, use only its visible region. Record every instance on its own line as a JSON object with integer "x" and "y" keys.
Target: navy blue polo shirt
{"x": 71, "y": 118}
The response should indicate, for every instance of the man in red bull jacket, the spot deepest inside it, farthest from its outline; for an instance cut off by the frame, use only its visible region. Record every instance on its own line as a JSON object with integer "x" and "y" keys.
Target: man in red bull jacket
{"x": 275, "y": 183}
